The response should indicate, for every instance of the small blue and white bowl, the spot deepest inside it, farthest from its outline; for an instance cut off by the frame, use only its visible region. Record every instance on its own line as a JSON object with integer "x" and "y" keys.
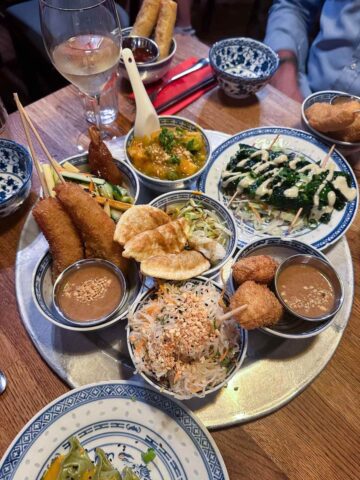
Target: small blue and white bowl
{"x": 326, "y": 96}
{"x": 162, "y": 186}
{"x": 242, "y": 65}
{"x": 15, "y": 176}
{"x": 225, "y": 217}
{"x": 152, "y": 71}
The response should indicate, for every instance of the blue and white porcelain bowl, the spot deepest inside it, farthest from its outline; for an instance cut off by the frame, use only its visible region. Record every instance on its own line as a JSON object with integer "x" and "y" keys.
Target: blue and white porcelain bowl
{"x": 226, "y": 219}
{"x": 152, "y": 71}
{"x": 162, "y": 186}
{"x": 242, "y": 65}
{"x": 326, "y": 96}
{"x": 15, "y": 176}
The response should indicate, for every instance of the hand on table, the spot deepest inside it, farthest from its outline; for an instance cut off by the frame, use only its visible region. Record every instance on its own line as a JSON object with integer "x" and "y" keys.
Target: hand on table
{"x": 286, "y": 78}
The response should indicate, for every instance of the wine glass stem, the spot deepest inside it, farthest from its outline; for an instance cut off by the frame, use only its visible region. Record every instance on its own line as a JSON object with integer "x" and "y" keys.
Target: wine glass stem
{"x": 97, "y": 111}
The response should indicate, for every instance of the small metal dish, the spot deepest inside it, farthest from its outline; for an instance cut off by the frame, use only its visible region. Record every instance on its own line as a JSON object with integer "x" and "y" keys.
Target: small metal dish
{"x": 325, "y": 268}
{"x": 135, "y": 42}
{"x": 84, "y": 264}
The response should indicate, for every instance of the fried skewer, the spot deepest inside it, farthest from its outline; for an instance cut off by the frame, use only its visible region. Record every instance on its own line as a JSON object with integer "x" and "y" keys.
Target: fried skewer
{"x": 64, "y": 241}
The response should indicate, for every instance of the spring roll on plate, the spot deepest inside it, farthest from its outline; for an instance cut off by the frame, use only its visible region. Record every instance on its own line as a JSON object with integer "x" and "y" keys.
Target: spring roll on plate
{"x": 146, "y": 18}
{"x": 165, "y": 26}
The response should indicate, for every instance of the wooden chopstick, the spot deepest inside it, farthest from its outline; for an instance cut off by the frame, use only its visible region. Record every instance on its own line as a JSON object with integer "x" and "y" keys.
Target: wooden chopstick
{"x": 40, "y": 173}
{"x": 228, "y": 315}
{"x": 53, "y": 162}
{"x": 328, "y": 155}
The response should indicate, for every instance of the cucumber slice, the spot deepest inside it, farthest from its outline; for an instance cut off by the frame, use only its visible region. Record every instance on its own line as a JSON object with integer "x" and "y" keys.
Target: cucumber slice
{"x": 82, "y": 178}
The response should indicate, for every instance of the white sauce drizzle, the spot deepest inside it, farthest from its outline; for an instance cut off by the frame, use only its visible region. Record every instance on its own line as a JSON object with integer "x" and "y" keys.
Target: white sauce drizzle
{"x": 263, "y": 190}
{"x": 340, "y": 184}
{"x": 292, "y": 192}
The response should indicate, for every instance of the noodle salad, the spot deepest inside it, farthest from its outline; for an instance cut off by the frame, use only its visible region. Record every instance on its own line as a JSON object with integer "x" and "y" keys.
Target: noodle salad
{"x": 178, "y": 340}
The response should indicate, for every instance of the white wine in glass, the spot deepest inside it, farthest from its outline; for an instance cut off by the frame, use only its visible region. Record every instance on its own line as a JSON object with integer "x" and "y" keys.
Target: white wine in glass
{"x": 83, "y": 40}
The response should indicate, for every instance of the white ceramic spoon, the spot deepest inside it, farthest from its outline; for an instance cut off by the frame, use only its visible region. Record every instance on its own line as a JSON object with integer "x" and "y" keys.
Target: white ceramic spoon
{"x": 146, "y": 120}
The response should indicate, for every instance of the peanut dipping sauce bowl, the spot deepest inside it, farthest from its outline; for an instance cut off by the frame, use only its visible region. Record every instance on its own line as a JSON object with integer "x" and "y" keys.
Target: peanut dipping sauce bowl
{"x": 323, "y": 267}
{"x": 84, "y": 264}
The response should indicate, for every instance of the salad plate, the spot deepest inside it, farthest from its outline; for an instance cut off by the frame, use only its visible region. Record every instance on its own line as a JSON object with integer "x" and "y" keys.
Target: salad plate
{"x": 124, "y": 419}
{"x": 300, "y": 144}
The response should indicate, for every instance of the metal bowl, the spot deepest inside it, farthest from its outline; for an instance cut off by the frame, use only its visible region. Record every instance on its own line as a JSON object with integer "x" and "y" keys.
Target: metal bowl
{"x": 162, "y": 186}
{"x": 328, "y": 96}
{"x": 84, "y": 264}
{"x": 152, "y": 71}
{"x": 135, "y": 42}
{"x": 325, "y": 268}
{"x": 280, "y": 249}
{"x": 153, "y": 381}
{"x": 225, "y": 216}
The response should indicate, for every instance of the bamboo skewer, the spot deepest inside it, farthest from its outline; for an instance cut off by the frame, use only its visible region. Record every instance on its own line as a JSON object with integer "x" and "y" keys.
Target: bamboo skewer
{"x": 228, "y": 315}
{"x": 233, "y": 197}
{"x": 274, "y": 141}
{"x": 53, "y": 162}
{"x": 37, "y": 164}
{"x": 295, "y": 219}
{"x": 328, "y": 155}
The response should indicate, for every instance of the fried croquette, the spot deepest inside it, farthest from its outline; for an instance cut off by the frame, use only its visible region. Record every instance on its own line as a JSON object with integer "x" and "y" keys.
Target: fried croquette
{"x": 263, "y": 308}
{"x": 259, "y": 268}
{"x": 325, "y": 117}
{"x": 95, "y": 226}
{"x": 350, "y": 133}
{"x": 64, "y": 240}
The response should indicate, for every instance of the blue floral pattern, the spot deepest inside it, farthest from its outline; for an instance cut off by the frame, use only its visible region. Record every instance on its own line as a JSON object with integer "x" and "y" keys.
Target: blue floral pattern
{"x": 15, "y": 174}
{"x": 242, "y": 65}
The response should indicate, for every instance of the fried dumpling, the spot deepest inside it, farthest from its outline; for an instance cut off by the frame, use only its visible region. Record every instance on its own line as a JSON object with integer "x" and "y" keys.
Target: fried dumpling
{"x": 168, "y": 238}
{"x": 138, "y": 219}
{"x": 211, "y": 249}
{"x": 179, "y": 266}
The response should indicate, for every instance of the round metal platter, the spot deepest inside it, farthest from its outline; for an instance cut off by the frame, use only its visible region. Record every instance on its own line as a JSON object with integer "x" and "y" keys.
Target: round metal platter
{"x": 273, "y": 373}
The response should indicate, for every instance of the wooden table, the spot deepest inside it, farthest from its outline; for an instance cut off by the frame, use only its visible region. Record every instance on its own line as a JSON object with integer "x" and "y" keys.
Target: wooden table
{"x": 315, "y": 437}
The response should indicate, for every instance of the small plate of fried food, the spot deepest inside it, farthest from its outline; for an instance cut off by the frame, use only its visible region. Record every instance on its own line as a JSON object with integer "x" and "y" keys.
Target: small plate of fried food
{"x": 180, "y": 235}
{"x": 334, "y": 116}
{"x": 251, "y": 280}
{"x": 77, "y": 216}
{"x": 156, "y": 21}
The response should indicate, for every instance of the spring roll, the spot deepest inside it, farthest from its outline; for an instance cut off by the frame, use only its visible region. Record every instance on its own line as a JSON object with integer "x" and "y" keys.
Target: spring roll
{"x": 146, "y": 18}
{"x": 165, "y": 26}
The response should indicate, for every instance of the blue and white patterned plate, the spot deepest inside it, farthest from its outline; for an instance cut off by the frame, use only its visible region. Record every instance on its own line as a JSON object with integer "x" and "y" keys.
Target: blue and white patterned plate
{"x": 297, "y": 141}
{"x": 125, "y": 419}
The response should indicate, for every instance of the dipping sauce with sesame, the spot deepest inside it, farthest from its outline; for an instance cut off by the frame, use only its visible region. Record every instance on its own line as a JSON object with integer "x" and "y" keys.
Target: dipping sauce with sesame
{"x": 89, "y": 293}
{"x": 307, "y": 291}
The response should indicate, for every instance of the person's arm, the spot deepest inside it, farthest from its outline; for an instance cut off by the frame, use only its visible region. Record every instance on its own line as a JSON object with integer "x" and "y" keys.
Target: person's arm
{"x": 288, "y": 28}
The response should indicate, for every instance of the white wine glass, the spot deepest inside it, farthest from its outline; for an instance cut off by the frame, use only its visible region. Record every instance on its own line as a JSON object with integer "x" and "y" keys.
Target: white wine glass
{"x": 83, "y": 40}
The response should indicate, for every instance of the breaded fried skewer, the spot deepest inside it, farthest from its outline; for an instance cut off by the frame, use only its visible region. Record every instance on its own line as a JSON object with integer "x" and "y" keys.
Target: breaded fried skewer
{"x": 64, "y": 241}
{"x": 95, "y": 227}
